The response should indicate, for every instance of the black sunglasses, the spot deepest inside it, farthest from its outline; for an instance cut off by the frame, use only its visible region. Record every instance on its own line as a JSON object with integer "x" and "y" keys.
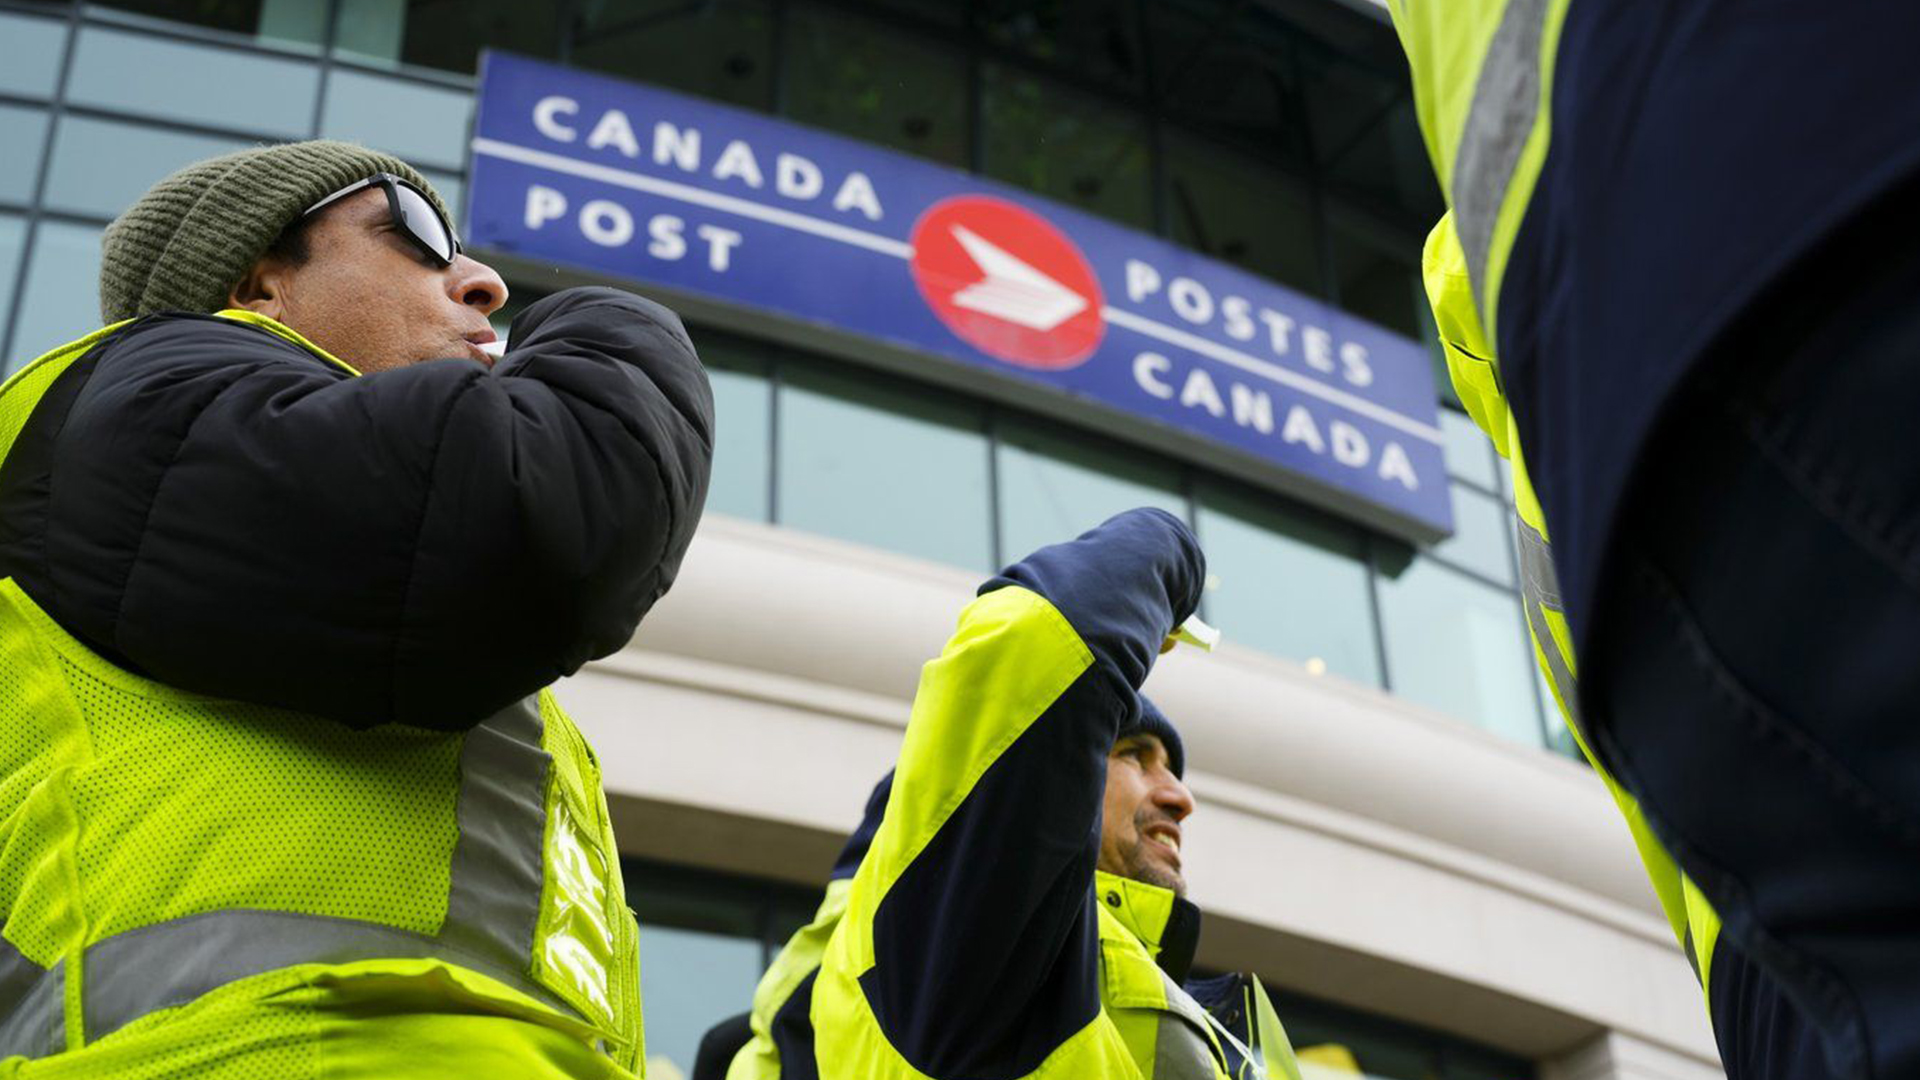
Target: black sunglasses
{"x": 418, "y": 219}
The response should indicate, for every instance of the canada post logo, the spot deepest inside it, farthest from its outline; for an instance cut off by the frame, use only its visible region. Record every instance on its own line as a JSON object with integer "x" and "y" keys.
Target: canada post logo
{"x": 773, "y": 219}
{"x": 1007, "y": 282}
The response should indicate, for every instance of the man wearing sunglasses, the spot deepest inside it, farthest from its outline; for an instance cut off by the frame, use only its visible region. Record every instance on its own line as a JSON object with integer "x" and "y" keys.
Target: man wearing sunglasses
{"x": 287, "y": 562}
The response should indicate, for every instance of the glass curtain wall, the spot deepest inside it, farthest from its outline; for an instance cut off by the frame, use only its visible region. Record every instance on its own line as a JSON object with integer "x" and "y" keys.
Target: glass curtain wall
{"x": 896, "y": 465}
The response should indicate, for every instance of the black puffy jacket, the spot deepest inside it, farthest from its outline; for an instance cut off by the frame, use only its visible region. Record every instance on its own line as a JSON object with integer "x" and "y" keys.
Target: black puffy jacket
{"x": 211, "y": 505}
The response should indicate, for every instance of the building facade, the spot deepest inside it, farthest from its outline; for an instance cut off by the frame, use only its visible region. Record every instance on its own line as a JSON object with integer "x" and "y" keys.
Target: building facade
{"x": 1392, "y": 830}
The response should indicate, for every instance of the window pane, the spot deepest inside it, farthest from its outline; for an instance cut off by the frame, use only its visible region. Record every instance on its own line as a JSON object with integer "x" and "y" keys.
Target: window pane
{"x": 1094, "y": 39}
{"x": 790, "y": 913}
{"x": 863, "y": 78}
{"x": 1234, "y": 208}
{"x": 1456, "y": 645}
{"x": 1479, "y": 541}
{"x": 1469, "y": 454}
{"x": 100, "y": 167}
{"x": 691, "y": 981}
{"x": 1289, "y": 583}
{"x": 289, "y": 23}
{"x": 1559, "y": 739}
{"x": 30, "y": 51}
{"x": 444, "y": 34}
{"x": 422, "y": 124}
{"x": 743, "y": 426}
{"x": 63, "y": 289}
{"x": 721, "y": 49}
{"x": 13, "y": 233}
{"x": 1336, "y": 1043}
{"x": 1055, "y": 485}
{"x": 700, "y": 955}
{"x": 1379, "y": 275}
{"x": 902, "y": 470}
{"x": 194, "y": 83}
{"x": 1366, "y": 134}
{"x": 23, "y": 131}
{"x": 1065, "y": 145}
{"x": 1230, "y": 71}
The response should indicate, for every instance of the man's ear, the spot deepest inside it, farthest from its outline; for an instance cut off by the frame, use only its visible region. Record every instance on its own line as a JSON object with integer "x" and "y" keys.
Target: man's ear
{"x": 263, "y": 289}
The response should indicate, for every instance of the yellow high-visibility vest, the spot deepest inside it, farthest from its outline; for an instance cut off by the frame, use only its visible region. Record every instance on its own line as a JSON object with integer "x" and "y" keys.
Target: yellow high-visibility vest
{"x": 206, "y": 887}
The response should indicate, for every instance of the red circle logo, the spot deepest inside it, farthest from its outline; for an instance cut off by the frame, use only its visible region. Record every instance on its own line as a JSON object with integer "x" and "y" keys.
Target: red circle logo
{"x": 1007, "y": 282}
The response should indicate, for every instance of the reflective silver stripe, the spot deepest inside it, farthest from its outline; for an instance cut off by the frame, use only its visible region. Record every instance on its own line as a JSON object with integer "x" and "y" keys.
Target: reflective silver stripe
{"x": 493, "y": 905}
{"x": 172, "y": 963}
{"x": 1179, "y": 1053}
{"x": 1539, "y": 594}
{"x": 1536, "y": 564}
{"x": 32, "y": 1022}
{"x": 1505, "y": 104}
{"x": 1183, "y": 1047}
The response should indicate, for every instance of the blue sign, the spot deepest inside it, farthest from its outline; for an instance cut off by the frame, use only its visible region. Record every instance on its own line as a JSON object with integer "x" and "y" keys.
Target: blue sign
{"x": 649, "y": 185}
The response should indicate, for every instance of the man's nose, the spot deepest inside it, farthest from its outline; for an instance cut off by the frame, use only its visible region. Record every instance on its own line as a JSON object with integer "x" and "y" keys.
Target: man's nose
{"x": 474, "y": 283}
{"x": 1173, "y": 796}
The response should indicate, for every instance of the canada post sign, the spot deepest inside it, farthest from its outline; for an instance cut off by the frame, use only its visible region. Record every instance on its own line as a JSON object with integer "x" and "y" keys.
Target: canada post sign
{"x": 649, "y": 185}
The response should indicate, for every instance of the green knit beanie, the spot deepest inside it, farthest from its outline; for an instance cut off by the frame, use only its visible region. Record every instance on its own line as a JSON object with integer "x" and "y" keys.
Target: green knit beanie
{"x": 193, "y": 236}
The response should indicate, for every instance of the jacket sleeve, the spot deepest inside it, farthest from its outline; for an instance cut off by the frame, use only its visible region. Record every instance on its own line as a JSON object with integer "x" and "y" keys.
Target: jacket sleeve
{"x": 422, "y": 545}
{"x": 781, "y": 1043}
{"x": 978, "y": 886}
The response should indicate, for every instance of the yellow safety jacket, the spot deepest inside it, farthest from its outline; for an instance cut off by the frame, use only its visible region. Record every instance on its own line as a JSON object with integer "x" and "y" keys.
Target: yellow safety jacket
{"x": 1138, "y": 994}
{"x": 1475, "y": 375}
{"x": 977, "y": 936}
{"x": 201, "y": 887}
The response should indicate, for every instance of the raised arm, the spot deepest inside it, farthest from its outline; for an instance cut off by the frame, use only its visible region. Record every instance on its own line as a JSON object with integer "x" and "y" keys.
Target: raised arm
{"x": 237, "y": 517}
{"x": 976, "y": 941}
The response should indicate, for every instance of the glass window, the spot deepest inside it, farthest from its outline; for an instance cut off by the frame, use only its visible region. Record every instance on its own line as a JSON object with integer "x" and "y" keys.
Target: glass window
{"x": 1559, "y": 739}
{"x": 411, "y": 121}
{"x": 700, "y": 956}
{"x": 1290, "y": 583}
{"x": 30, "y": 51}
{"x": 1457, "y": 645}
{"x": 1366, "y": 135}
{"x": 1479, "y": 541}
{"x": 1335, "y": 1043}
{"x": 200, "y": 84}
{"x": 298, "y": 24}
{"x": 62, "y": 300}
{"x": 690, "y": 981}
{"x": 899, "y": 469}
{"x": 863, "y": 78}
{"x": 1065, "y": 145}
{"x": 101, "y": 167}
{"x": 370, "y": 30}
{"x": 791, "y": 911}
{"x": 1230, "y": 71}
{"x": 444, "y": 34}
{"x": 1469, "y": 455}
{"x": 1094, "y": 39}
{"x": 1378, "y": 275}
{"x": 23, "y": 131}
{"x": 1055, "y": 484}
{"x": 721, "y": 49}
{"x": 1236, "y": 209}
{"x": 13, "y": 233}
{"x": 743, "y": 426}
